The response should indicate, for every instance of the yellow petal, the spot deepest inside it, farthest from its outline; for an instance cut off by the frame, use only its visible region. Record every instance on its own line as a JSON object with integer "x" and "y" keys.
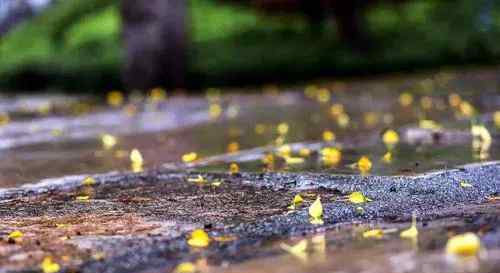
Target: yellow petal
{"x": 108, "y": 141}
{"x": 294, "y": 160}
{"x": 390, "y": 137}
{"x": 467, "y": 244}
{"x": 49, "y": 266}
{"x": 115, "y": 98}
{"x": 316, "y": 211}
{"x": 373, "y": 233}
{"x": 412, "y": 232}
{"x": 136, "y": 157}
{"x": 283, "y": 128}
{"x": 387, "y": 158}
{"x": 234, "y": 168}
{"x": 16, "y": 234}
{"x": 364, "y": 164}
{"x": 358, "y": 198}
{"x": 298, "y": 250}
{"x": 186, "y": 267}
{"x": 331, "y": 156}
{"x": 88, "y": 181}
{"x": 328, "y": 136}
{"x": 189, "y": 157}
{"x": 405, "y": 99}
{"x": 199, "y": 238}
{"x": 197, "y": 179}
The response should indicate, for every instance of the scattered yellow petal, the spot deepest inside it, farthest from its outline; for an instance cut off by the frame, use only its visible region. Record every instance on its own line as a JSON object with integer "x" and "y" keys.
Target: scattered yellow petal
{"x": 234, "y": 168}
{"x": 328, "y": 136}
{"x": 323, "y": 95}
{"x": 189, "y": 157}
{"x": 429, "y": 124}
{"x": 199, "y": 238}
{"x": 83, "y": 198}
{"x": 285, "y": 150}
{"x": 197, "y": 179}
{"x": 108, "y": 141}
{"x": 336, "y": 109}
{"x": 387, "y": 158}
{"x": 16, "y": 234}
{"x": 157, "y": 95}
{"x": 466, "y": 109}
{"x": 358, "y": 197}
{"x": 259, "y": 128}
{"x": 297, "y": 201}
{"x": 297, "y": 250}
{"x": 405, "y": 99}
{"x": 305, "y": 152}
{"x": 214, "y": 110}
{"x": 186, "y": 267}
{"x": 293, "y": 160}
{"x": 136, "y": 157}
{"x": 283, "y": 128}
{"x": 364, "y": 164}
{"x": 233, "y": 147}
{"x": 316, "y": 212}
{"x": 373, "y": 233}
{"x": 465, "y": 184}
{"x": 412, "y": 232}
{"x": 343, "y": 120}
{"x": 88, "y": 181}
{"x": 467, "y": 244}
{"x": 390, "y": 137}
{"x": 115, "y": 98}
{"x": 49, "y": 266}
{"x": 331, "y": 156}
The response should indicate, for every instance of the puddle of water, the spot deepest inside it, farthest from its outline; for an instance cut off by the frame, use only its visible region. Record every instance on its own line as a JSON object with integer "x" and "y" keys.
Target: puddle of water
{"x": 66, "y": 143}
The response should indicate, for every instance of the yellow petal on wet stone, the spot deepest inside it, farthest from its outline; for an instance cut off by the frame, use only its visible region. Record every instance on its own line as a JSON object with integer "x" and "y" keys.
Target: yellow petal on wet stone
{"x": 234, "y": 168}
{"x": 197, "y": 179}
{"x": 297, "y": 250}
{"x": 49, "y": 266}
{"x": 405, "y": 99}
{"x": 285, "y": 150}
{"x": 336, "y": 109}
{"x": 115, "y": 98}
{"x": 297, "y": 201}
{"x": 390, "y": 137}
{"x": 83, "y": 198}
{"x": 88, "y": 181}
{"x": 186, "y": 267}
{"x": 429, "y": 124}
{"x": 108, "y": 141}
{"x": 373, "y": 233}
{"x": 283, "y": 128}
{"x": 358, "y": 198}
{"x": 465, "y": 184}
{"x": 16, "y": 234}
{"x": 214, "y": 110}
{"x": 259, "y": 128}
{"x": 323, "y": 95}
{"x": 467, "y": 244}
{"x": 316, "y": 212}
{"x": 189, "y": 157}
{"x": 328, "y": 136}
{"x": 233, "y": 147}
{"x": 199, "y": 238}
{"x": 157, "y": 95}
{"x": 364, "y": 164}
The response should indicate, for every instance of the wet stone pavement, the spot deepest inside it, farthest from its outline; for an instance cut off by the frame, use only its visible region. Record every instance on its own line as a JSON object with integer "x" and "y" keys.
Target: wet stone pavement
{"x": 119, "y": 186}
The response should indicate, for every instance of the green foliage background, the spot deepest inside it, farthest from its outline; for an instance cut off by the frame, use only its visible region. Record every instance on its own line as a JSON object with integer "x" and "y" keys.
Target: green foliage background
{"x": 75, "y": 45}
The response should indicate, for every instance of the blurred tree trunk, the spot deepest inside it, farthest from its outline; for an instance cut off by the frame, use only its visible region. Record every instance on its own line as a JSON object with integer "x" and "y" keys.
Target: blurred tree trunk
{"x": 154, "y": 35}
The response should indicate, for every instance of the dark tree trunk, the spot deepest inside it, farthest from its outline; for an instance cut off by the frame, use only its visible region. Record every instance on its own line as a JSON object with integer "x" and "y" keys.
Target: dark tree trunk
{"x": 154, "y": 35}
{"x": 349, "y": 17}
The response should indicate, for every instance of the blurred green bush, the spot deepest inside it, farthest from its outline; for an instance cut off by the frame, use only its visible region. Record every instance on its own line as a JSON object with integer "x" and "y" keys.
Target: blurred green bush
{"x": 75, "y": 45}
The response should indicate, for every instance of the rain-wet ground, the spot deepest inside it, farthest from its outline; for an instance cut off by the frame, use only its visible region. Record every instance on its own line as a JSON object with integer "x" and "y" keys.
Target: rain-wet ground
{"x": 126, "y": 222}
